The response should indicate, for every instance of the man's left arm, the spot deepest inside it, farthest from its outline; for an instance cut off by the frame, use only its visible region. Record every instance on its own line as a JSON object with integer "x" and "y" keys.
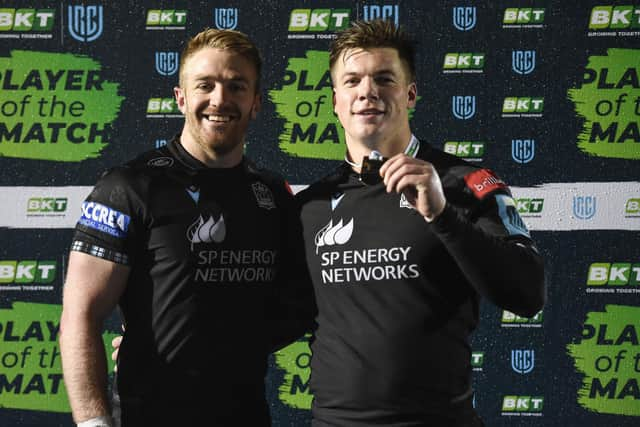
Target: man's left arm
{"x": 494, "y": 251}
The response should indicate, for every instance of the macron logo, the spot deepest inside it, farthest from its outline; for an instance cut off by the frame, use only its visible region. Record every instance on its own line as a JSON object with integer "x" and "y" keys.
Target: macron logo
{"x": 331, "y": 235}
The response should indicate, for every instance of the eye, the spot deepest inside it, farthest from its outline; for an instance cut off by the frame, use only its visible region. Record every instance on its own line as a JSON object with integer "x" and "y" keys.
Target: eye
{"x": 235, "y": 86}
{"x": 384, "y": 80}
{"x": 352, "y": 81}
{"x": 204, "y": 86}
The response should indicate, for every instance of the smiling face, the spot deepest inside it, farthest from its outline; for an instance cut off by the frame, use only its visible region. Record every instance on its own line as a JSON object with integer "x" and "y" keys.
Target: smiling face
{"x": 371, "y": 95}
{"x": 218, "y": 98}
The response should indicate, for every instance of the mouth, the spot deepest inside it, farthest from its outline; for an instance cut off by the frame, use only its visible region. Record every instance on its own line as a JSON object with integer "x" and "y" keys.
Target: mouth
{"x": 218, "y": 118}
{"x": 369, "y": 112}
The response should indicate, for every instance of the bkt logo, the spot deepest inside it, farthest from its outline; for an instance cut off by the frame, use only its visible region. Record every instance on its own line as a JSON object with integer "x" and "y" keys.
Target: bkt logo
{"x": 85, "y": 22}
{"x": 523, "y": 61}
{"x": 477, "y": 360}
{"x": 46, "y": 204}
{"x": 26, "y": 19}
{"x": 584, "y": 207}
{"x": 529, "y": 206}
{"x": 166, "y": 19}
{"x": 30, "y": 271}
{"x": 464, "y": 149}
{"x": 615, "y": 274}
{"x": 523, "y": 17}
{"x": 162, "y": 106}
{"x": 464, "y": 18}
{"x": 632, "y": 208}
{"x": 463, "y": 107}
{"x": 316, "y": 20}
{"x": 167, "y": 63}
{"x": 522, "y": 361}
{"x": 389, "y": 11}
{"x": 522, "y": 404}
{"x": 523, "y": 150}
{"x": 463, "y": 61}
{"x": 618, "y": 17}
{"x": 225, "y": 18}
{"x": 510, "y": 319}
{"x": 523, "y": 105}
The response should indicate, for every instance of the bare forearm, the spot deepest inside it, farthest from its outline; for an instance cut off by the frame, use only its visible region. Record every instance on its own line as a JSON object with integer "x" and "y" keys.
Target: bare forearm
{"x": 84, "y": 367}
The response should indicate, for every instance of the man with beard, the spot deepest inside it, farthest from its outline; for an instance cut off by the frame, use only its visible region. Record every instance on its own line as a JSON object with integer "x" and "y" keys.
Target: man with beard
{"x": 401, "y": 242}
{"x": 189, "y": 240}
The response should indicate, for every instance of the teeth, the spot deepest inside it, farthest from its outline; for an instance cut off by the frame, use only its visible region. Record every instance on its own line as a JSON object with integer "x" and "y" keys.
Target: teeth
{"x": 213, "y": 118}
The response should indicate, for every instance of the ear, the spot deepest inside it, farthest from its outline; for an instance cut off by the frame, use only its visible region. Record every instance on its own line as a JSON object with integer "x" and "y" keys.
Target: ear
{"x": 178, "y": 93}
{"x": 333, "y": 99}
{"x": 412, "y": 95}
{"x": 257, "y": 106}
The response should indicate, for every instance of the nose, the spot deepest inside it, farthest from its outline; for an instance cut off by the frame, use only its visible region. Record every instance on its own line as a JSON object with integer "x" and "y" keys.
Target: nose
{"x": 218, "y": 95}
{"x": 367, "y": 89}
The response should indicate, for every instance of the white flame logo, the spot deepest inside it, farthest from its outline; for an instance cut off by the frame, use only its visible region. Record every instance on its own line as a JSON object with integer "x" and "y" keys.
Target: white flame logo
{"x": 207, "y": 231}
{"x": 330, "y": 234}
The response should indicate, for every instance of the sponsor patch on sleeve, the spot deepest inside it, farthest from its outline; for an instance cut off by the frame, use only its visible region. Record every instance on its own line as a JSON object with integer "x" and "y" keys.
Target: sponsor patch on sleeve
{"x": 483, "y": 182}
{"x": 104, "y": 219}
{"x": 510, "y": 217}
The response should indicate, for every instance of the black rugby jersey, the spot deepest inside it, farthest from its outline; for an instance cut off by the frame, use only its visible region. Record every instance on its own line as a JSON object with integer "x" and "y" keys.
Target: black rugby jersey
{"x": 215, "y": 258}
{"x": 398, "y": 297}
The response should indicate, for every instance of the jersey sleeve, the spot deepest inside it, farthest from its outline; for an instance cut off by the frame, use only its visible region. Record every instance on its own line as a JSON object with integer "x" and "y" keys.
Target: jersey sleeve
{"x": 492, "y": 246}
{"x": 108, "y": 223}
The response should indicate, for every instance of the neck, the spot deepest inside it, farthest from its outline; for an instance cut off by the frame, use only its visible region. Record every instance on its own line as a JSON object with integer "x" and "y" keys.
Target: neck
{"x": 210, "y": 157}
{"x": 359, "y": 148}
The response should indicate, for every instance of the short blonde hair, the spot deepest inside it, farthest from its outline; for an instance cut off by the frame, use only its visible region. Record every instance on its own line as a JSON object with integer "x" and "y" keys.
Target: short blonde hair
{"x": 232, "y": 40}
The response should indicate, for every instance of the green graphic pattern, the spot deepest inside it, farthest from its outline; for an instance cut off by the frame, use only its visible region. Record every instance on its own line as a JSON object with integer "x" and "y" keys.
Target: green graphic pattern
{"x": 607, "y": 102}
{"x": 608, "y": 355}
{"x": 30, "y": 368}
{"x": 294, "y": 360}
{"x": 55, "y": 106}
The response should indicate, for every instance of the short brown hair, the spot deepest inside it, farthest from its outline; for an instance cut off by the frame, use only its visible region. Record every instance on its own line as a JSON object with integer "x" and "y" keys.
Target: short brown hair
{"x": 373, "y": 34}
{"x": 234, "y": 41}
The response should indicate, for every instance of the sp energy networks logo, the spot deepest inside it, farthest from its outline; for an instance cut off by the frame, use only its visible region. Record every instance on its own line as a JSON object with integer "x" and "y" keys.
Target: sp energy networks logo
{"x": 55, "y": 106}
{"x": 167, "y": 63}
{"x": 524, "y": 17}
{"x": 511, "y": 320}
{"x": 317, "y": 23}
{"x": 606, "y": 99}
{"x": 468, "y": 150}
{"x": 334, "y": 234}
{"x": 523, "y": 361}
{"x": 225, "y": 18}
{"x": 27, "y": 275}
{"x": 523, "y": 61}
{"x": 522, "y": 107}
{"x": 617, "y": 277}
{"x": 464, "y": 18}
{"x": 609, "y": 20}
{"x": 166, "y": 19}
{"x": 207, "y": 230}
{"x": 463, "y": 63}
{"x": 606, "y": 354}
{"x": 463, "y": 107}
{"x": 522, "y": 406}
{"x": 26, "y": 23}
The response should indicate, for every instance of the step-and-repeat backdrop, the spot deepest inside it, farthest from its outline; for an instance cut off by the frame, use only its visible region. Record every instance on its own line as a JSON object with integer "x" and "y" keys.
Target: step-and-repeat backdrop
{"x": 545, "y": 93}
